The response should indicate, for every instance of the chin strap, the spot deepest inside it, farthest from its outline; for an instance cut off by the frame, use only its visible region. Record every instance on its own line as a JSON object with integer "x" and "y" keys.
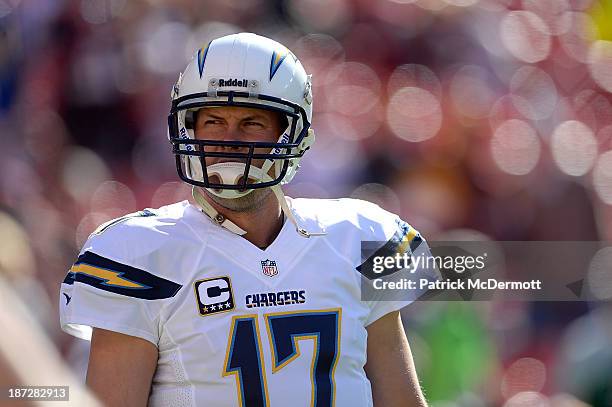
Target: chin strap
{"x": 214, "y": 214}
{"x": 232, "y": 227}
{"x": 278, "y": 192}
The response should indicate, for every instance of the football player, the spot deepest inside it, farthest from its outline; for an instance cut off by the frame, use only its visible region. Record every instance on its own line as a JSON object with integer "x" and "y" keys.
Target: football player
{"x": 248, "y": 298}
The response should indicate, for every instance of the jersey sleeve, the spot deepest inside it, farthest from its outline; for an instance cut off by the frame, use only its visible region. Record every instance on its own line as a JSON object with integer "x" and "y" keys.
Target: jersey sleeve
{"x": 105, "y": 288}
{"x": 385, "y": 301}
{"x": 387, "y": 235}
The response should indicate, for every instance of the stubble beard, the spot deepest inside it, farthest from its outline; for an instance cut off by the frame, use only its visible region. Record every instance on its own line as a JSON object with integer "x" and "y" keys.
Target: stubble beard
{"x": 250, "y": 202}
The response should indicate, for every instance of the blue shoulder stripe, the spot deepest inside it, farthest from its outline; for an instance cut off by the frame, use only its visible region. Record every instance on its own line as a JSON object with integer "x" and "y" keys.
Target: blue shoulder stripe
{"x": 109, "y": 275}
{"x": 405, "y": 240}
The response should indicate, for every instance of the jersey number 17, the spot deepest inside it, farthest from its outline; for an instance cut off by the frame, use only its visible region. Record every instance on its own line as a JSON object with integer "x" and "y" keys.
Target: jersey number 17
{"x": 243, "y": 357}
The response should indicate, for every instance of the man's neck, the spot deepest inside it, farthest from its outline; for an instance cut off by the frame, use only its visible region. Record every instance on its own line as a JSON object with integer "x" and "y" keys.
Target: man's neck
{"x": 262, "y": 225}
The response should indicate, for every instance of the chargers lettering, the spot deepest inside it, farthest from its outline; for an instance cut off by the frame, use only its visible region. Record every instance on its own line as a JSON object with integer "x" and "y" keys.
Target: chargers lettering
{"x": 274, "y": 299}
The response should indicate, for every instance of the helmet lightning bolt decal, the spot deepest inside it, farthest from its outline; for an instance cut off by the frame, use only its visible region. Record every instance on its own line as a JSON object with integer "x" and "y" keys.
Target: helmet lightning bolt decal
{"x": 202, "y": 57}
{"x": 276, "y": 61}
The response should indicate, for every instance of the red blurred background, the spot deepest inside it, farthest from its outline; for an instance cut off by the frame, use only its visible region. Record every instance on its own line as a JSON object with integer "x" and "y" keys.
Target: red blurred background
{"x": 471, "y": 118}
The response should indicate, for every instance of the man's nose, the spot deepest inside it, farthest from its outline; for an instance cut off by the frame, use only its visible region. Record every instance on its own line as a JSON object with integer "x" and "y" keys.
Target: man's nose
{"x": 234, "y": 133}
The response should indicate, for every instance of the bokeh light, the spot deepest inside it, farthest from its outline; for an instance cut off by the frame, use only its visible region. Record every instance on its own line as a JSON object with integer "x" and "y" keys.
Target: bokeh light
{"x": 533, "y": 92}
{"x": 552, "y": 12}
{"x": 524, "y": 374}
{"x": 355, "y": 90}
{"x": 528, "y": 399}
{"x": 526, "y": 36}
{"x": 355, "y": 127}
{"x": 574, "y": 147}
{"x": 353, "y": 98}
{"x": 462, "y": 3}
{"x": 414, "y": 114}
{"x": 515, "y": 147}
{"x": 599, "y": 276}
{"x": 83, "y": 170}
{"x": 414, "y": 75}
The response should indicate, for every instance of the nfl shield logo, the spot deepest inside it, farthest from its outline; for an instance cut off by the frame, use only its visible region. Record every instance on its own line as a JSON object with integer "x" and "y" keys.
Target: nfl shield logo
{"x": 269, "y": 268}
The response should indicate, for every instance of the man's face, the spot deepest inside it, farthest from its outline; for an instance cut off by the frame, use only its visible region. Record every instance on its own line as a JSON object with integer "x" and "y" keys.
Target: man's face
{"x": 233, "y": 123}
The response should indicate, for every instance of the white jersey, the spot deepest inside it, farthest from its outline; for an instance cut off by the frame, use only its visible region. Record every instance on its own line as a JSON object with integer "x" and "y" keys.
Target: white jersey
{"x": 236, "y": 325}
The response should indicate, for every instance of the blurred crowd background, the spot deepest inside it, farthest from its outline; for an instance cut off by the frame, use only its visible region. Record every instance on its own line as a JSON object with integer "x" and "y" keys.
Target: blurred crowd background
{"x": 488, "y": 118}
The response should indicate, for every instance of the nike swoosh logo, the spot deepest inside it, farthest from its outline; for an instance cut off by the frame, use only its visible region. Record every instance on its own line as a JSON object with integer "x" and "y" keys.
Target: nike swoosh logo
{"x": 68, "y": 298}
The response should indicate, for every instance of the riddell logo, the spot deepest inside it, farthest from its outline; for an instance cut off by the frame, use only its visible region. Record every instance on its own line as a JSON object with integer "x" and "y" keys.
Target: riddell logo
{"x": 233, "y": 82}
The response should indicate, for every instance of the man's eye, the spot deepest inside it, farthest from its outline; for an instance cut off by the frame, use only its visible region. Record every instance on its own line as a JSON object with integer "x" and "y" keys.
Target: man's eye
{"x": 212, "y": 121}
{"x": 254, "y": 124}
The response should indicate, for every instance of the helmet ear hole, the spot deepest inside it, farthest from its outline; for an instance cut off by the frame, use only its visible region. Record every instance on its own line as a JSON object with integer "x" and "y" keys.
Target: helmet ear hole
{"x": 190, "y": 119}
{"x": 283, "y": 121}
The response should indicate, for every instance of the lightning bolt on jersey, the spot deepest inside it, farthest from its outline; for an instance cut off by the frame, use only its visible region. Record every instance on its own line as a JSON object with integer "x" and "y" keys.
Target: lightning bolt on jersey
{"x": 236, "y": 325}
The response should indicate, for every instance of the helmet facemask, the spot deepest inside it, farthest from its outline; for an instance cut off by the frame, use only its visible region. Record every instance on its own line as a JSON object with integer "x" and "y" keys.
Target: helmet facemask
{"x": 232, "y": 169}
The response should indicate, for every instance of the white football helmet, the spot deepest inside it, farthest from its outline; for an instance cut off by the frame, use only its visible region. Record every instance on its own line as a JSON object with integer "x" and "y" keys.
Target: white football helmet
{"x": 241, "y": 70}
